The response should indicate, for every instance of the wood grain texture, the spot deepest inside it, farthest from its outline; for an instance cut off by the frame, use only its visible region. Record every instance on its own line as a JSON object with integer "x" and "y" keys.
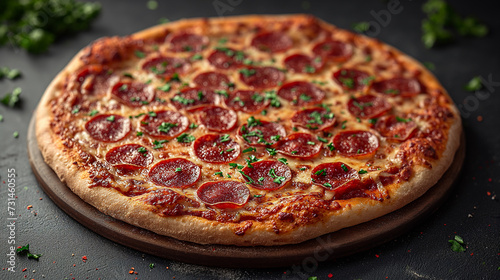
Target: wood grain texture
{"x": 334, "y": 245}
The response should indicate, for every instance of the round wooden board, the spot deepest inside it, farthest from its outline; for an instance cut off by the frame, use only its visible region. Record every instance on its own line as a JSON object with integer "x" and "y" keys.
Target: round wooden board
{"x": 334, "y": 245}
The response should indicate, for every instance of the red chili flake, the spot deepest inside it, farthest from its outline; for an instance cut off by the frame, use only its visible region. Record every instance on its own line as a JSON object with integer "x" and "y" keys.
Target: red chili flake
{"x": 74, "y": 264}
{"x": 131, "y": 272}
{"x": 488, "y": 193}
{"x": 136, "y": 272}
{"x": 444, "y": 224}
{"x": 489, "y": 180}
{"x": 24, "y": 269}
{"x": 84, "y": 258}
{"x": 479, "y": 118}
{"x": 377, "y": 256}
{"x": 409, "y": 251}
{"x": 330, "y": 275}
{"x": 29, "y": 207}
{"x": 472, "y": 254}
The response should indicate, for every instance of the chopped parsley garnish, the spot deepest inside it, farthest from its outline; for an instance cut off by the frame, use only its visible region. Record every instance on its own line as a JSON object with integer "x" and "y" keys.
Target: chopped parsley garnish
{"x": 165, "y": 87}
{"x": 311, "y": 143}
{"x": 264, "y": 112}
{"x": 361, "y": 26}
{"x": 304, "y": 97}
{"x": 151, "y": 265}
{"x": 271, "y": 151}
{"x": 302, "y": 168}
{"x": 429, "y": 65}
{"x": 328, "y": 185}
{"x": 219, "y": 174}
{"x": 309, "y": 69}
{"x": 373, "y": 121}
{"x": 139, "y": 54}
{"x": 15, "y": 134}
{"x": 225, "y": 138}
{"x": 344, "y": 167}
{"x": 93, "y": 113}
{"x": 392, "y": 91}
{"x": 322, "y": 139}
{"x": 142, "y": 150}
{"x": 252, "y": 121}
{"x": 193, "y": 125}
{"x": 175, "y": 78}
{"x": 273, "y": 98}
{"x": 348, "y": 82}
{"x": 283, "y": 160}
{"x": 152, "y": 114}
{"x": 76, "y": 110}
{"x": 457, "y": 244}
{"x": 331, "y": 147}
{"x": 321, "y": 172}
{"x": 139, "y": 133}
{"x": 316, "y": 118}
{"x": 258, "y": 195}
{"x": 110, "y": 118}
{"x": 235, "y": 165}
{"x": 402, "y": 119}
{"x": 294, "y": 152}
{"x": 178, "y": 169}
{"x": 367, "y": 80}
{"x": 442, "y": 20}
{"x": 250, "y": 180}
{"x": 182, "y": 100}
{"x": 185, "y": 138}
{"x": 275, "y": 138}
{"x": 344, "y": 125}
{"x": 247, "y": 150}
{"x": 238, "y": 99}
{"x": 474, "y": 84}
{"x": 362, "y": 171}
{"x": 11, "y": 99}
{"x": 158, "y": 144}
{"x": 196, "y": 57}
{"x": 257, "y": 97}
{"x": 166, "y": 126}
{"x": 277, "y": 179}
{"x": 321, "y": 83}
{"x": 251, "y": 159}
{"x": 222, "y": 92}
{"x": 247, "y": 72}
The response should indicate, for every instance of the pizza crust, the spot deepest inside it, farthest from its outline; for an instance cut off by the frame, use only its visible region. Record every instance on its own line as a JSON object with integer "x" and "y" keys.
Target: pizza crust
{"x": 199, "y": 230}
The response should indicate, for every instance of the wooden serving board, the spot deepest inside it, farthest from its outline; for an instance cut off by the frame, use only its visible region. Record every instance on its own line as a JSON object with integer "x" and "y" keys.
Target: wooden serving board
{"x": 334, "y": 245}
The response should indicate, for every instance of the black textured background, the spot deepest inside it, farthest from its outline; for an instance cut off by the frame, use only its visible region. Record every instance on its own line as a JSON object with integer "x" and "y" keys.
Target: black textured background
{"x": 472, "y": 211}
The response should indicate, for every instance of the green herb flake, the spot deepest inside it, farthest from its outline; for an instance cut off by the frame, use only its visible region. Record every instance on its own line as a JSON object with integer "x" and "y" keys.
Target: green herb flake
{"x": 251, "y": 149}
{"x": 344, "y": 167}
{"x": 225, "y": 138}
{"x": 185, "y": 138}
{"x": 139, "y": 54}
{"x": 361, "y": 27}
{"x": 12, "y": 99}
{"x": 151, "y": 265}
{"x": 328, "y": 185}
{"x": 331, "y": 147}
{"x": 165, "y": 87}
{"x": 271, "y": 151}
{"x": 166, "y": 126}
{"x": 258, "y": 195}
{"x": 193, "y": 126}
{"x": 139, "y": 133}
{"x": 362, "y": 171}
{"x": 111, "y": 118}
{"x": 247, "y": 72}
{"x": 457, "y": 244}
{"x": 196, "y": 57}
{"x": 283, "y": 160}
{"x": 178, "y": 169}
{"x": 474, "y": 84}
{"x": 219, "y": 174}
{"x": 321, "y": 172}
{"x": 322, "y": 139}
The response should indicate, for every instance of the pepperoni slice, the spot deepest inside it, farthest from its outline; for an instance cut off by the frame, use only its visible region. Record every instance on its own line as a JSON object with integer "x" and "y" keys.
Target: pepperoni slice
{"x": 247, "y": 101}
{"x": 226, "y": 58}
{"x": 175, "y": 173}
{"x": 335, "y": 50}
{"x": 262, "y": 77}
{"x": 133, "y": 94}
{"x": 267, "y": 175}
{"x": 355, "y": 188}
{"x": 301, "y": 63}
{"x": 314, "y": 118}
{"x": 368, "y": 106}
{"x": 395, "y": 128}
{"x": 262, "y": 133}
{"x": 212, "y": 80}
{"x": 301, "y": 93}
{"x": 272, "y": 42}
{"x": 190, "y": 98}
{"x": 216, "y": 148}
{"x": 91, "y": 79}
{"x": 217, "y": 118}
{"x": 164, "y": 124}
{"x": 356, "y": 143}
{"x": 108, "y": 128}
{"x": 224, "y": 194}
{"x": 129, "y": 156}
{"x": 351, "y": 79}
{"x": 300, "y": 145}
{"x": 188, "y": 42}
{"x": 398, "y": 87}
{"x": 165, "y": 67}
{"x": 333, "y": 175}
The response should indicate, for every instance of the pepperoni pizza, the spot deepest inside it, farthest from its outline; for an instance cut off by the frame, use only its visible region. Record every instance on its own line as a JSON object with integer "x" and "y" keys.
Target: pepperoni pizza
{"x": 254, "y": 130}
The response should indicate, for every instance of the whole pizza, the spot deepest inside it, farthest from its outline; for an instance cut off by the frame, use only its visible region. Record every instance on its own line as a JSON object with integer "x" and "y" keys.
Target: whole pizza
{"x": 252, "y": 130}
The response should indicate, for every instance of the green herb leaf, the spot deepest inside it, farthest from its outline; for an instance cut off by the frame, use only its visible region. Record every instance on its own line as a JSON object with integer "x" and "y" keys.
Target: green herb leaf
{"x": 12, "y": 99}
{"x": 361, "y": 27}
{"x": 23, "y": 249}
{"x": 362, "y": 171}
{"x": 186, "y": 138}
{"x": 251, "y": 149}
{"x": 474, "y": 84}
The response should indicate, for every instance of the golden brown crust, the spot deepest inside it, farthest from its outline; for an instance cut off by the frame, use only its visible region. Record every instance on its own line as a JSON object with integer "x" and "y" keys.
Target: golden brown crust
{"x": 66, "y": 161}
